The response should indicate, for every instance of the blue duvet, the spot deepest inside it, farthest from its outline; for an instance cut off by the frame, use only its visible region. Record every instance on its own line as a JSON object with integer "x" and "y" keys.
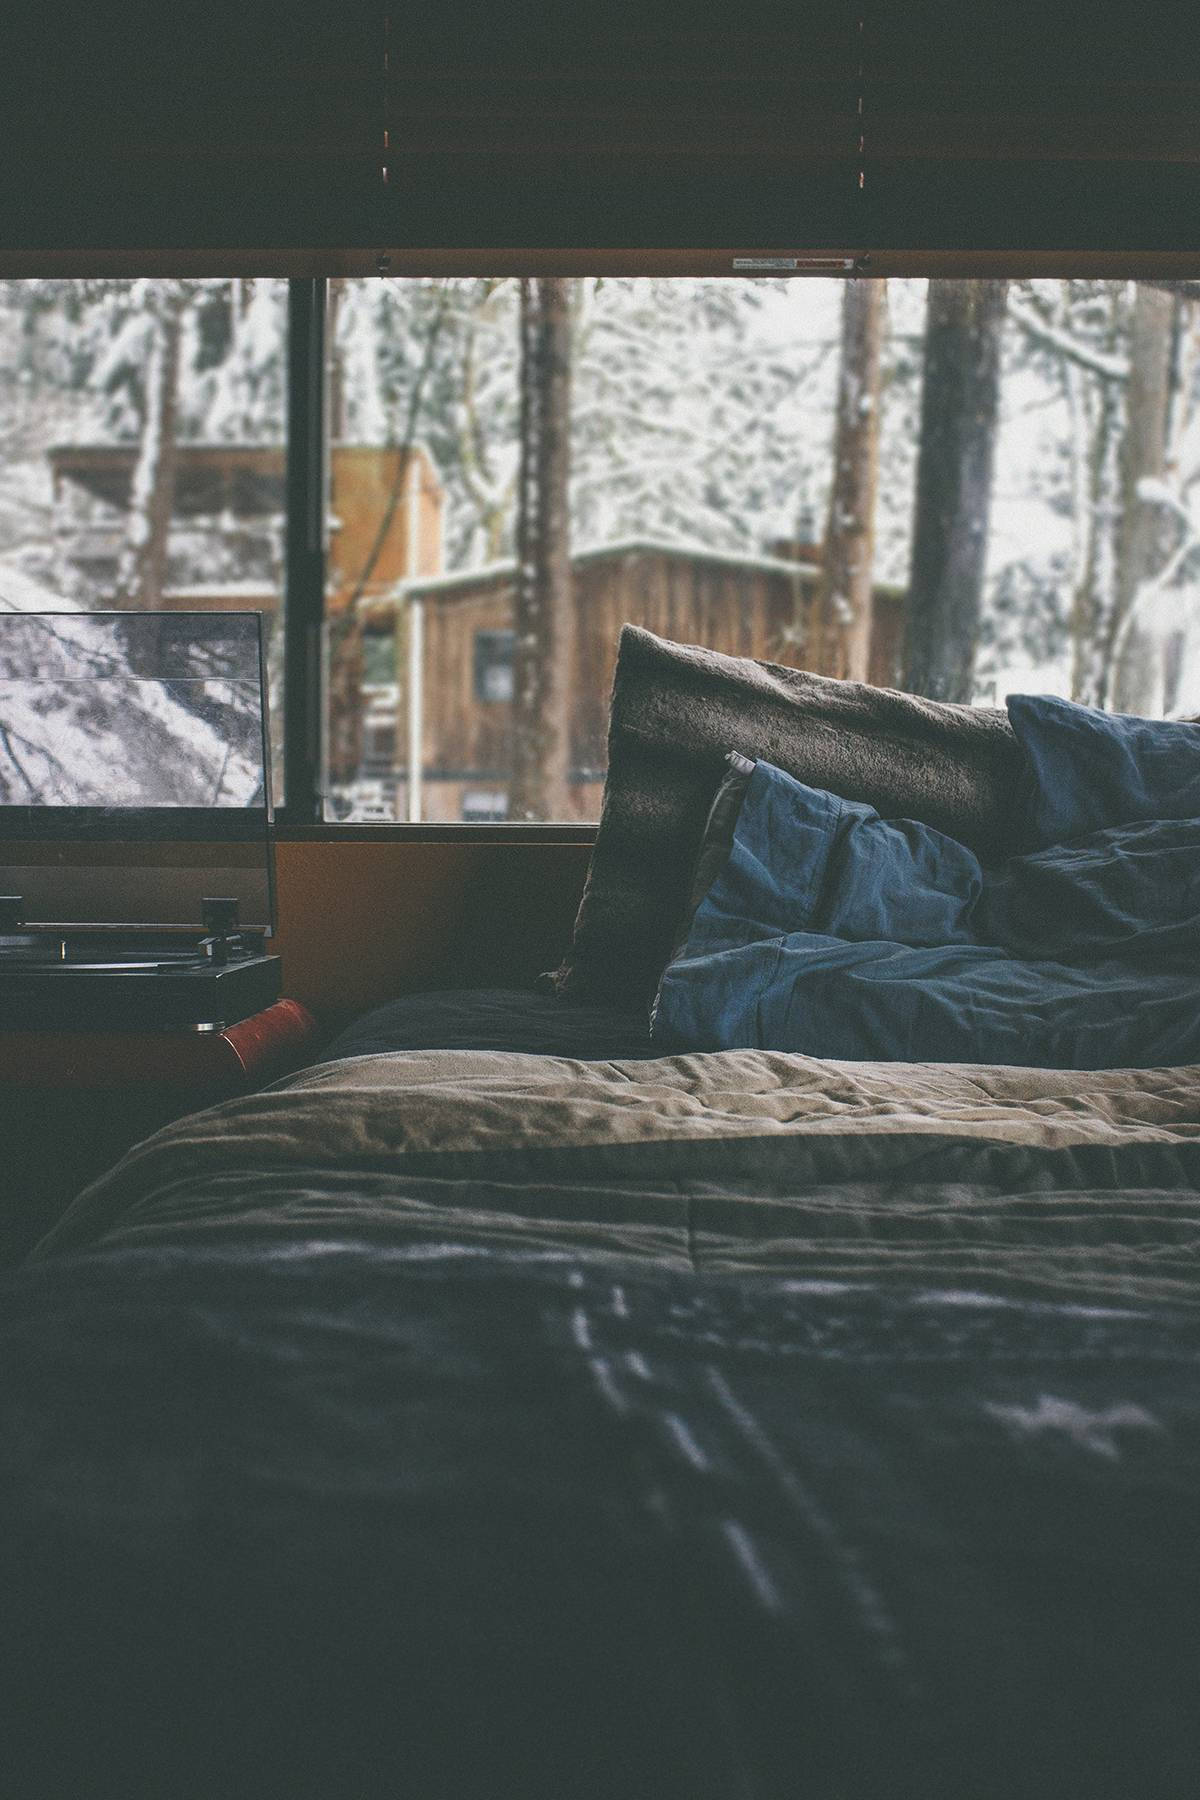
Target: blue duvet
{"x": 832, "y": 931}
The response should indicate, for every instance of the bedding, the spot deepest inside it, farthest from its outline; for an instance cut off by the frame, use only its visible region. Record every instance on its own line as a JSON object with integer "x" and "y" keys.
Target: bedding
{"x": 1086, "y": 769}
{"x": 504, "y": 1406}
{"x": 496, "y": 1019}
{"x": 829, "y": 930}
{"x": 678, "y": 708}
{"x": 466, "y": 1423}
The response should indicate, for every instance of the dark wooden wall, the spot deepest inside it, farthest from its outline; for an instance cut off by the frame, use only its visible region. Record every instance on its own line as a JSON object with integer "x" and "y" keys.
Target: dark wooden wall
{"x": 360, "y": 922}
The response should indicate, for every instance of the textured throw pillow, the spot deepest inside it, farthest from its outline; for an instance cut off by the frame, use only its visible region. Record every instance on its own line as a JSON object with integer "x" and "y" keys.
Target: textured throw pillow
{"x": 678, "y": 709}
{"x": 1088, "y": 769}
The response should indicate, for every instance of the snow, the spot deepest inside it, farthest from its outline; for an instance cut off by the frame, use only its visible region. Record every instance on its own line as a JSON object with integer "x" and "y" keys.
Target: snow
{"x": 257, "y": 594}
{"x": 506, "y": 568}
{"x": 74, "y": 732}
{"x": 19, "y": 593}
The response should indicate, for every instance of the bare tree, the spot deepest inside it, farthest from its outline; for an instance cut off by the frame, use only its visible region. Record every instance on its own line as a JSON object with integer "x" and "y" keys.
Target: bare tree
{"x": 959, "y": 410}
{"x": 841, "y": 629}
{"x": 142, "y": 564}
{"x": 490, "y": 495}
{"x": 1140, "y": 546}
{"x": 1094, "y": 408}
{"x": 542, "y": 616}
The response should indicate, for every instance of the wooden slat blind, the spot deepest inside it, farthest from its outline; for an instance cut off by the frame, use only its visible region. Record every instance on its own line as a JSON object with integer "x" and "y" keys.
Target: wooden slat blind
{"x": 1021, "y": 126}
{"x": 575, "y": 126}
{"x": 208, "y": 125}
{"x": 164, "y": 122}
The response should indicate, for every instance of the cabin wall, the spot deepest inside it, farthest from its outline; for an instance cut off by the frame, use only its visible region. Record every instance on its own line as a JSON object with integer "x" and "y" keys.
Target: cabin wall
{"x": 739, "y": 610}
{"x": 464, "y": 737}
{"x": 369, "y": 488}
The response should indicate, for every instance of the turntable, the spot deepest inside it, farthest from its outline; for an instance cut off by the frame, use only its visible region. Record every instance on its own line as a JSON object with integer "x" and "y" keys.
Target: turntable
{"x": 136, "y": 877}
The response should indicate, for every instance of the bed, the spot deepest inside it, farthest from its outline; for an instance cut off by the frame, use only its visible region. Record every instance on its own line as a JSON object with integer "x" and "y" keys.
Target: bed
{"x": 453, "y": 1420}
{"x": 503, "y": 1406}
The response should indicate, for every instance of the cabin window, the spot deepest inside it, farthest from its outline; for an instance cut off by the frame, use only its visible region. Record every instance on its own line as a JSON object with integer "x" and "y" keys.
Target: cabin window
{"x": 378, "y": 659}
{"x": 965, "y": 488}
{"x": 494, "y": 666}
{"x": 484, "y": 807}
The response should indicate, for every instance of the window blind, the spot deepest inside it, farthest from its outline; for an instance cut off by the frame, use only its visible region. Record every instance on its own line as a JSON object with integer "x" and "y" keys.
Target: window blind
{"x": 1031, "y": 127}
{"x": 374, "y": 126}
{"x": 565, "y": 126}
{"x": 155, "y": 123}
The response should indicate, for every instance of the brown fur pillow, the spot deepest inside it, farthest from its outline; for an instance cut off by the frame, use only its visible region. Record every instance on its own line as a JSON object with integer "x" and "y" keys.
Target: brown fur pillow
{"x": 678, "y": 709}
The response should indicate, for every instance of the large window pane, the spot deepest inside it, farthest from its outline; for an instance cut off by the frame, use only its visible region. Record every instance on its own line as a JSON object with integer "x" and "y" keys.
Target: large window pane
{"x": 142, "y": 450}
{"x": 964, "y": 488}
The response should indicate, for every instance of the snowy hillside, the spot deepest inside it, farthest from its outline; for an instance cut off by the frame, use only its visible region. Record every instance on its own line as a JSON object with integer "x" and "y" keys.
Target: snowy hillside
{"x": 77, "y": 730}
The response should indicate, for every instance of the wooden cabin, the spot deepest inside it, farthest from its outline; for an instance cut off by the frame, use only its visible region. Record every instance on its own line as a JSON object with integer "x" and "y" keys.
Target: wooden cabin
{"x": 453, "y": 676}
{"x": 238, "y": 490}
{"x": 441, "y": 654}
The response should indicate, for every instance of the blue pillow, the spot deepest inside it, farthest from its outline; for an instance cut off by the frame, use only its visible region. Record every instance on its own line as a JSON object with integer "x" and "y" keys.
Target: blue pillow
{"x": 1091, "y": 769}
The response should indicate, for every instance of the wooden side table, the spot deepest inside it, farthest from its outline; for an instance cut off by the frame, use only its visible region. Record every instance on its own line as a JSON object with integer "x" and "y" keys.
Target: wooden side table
{"x": 72, "y": 1103}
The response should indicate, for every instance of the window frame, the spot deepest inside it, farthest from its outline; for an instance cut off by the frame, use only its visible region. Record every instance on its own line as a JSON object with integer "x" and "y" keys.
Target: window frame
{"x": 300, "y": 818}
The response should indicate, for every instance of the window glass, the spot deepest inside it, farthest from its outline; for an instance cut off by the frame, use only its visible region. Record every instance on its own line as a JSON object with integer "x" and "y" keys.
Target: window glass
{"x": 494, "y": 666}
{"x": 379, "y": 659}
{"x": 142, "y": 450}
{"x": 964, "y": 488}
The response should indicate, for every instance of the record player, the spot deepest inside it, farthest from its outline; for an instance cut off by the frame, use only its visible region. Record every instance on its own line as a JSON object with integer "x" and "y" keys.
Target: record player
{"x": 136, "y": 873}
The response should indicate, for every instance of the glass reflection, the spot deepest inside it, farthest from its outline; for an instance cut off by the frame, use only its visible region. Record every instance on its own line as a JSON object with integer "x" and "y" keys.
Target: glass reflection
{"x": 134, "y": 774}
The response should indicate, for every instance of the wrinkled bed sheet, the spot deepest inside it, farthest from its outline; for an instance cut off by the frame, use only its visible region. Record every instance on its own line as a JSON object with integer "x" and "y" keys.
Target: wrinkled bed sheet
{"x": 468, "y": 1424}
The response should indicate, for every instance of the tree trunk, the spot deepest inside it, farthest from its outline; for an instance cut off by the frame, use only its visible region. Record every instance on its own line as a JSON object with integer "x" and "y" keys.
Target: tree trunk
{"x": 142, "y": 565}
{"x": 1093, "y": 519}
{"x": 335, "y": 400}
{"x": 842, "y": 607}
{"x": 959, "y": 408}
{"x": 542, "y": 613}
{"x": 344, "y": 679}
{"x": 1130, "y": 677}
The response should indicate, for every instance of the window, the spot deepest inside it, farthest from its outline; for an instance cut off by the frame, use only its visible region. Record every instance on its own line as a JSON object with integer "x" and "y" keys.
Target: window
{"x": 1017, "y": 512}
{"x": 479, "y": 807}
{"x": 494, "y": 666}
{"x": 142, "y": 425}
{"x": 775, "y": 468}
{"x": 378, "y": 659}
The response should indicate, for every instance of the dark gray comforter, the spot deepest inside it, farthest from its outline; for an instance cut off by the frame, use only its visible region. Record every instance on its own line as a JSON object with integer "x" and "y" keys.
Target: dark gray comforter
{"x": 475, "y": 1424}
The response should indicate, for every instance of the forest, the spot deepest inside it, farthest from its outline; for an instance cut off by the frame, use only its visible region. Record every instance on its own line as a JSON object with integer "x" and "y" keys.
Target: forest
{"x": 1022, "y": 456}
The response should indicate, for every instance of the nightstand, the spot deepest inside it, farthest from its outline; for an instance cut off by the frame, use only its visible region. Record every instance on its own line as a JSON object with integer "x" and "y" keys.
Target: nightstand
{"x": 72, "y": 1102}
